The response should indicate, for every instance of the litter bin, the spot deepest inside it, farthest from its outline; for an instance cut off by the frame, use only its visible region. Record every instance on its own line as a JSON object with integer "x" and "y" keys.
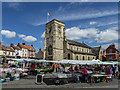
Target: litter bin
{"x": 39, "y": 78}
{"x": 17, "y": 76}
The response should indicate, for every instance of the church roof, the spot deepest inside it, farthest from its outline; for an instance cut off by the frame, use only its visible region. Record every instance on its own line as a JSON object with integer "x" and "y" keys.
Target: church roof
{"x": 96, "y": 50}
{"x": 82, "y": 52}
{"x": 7, "y": 48}
{"x": 77, "y": 43}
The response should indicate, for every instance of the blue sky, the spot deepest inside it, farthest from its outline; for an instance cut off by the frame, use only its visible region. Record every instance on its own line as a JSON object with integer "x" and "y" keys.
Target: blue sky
{"x": 94, "y": 23}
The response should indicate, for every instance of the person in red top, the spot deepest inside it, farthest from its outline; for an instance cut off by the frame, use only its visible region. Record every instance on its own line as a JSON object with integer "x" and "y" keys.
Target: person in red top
{"x": 85, "y": 74}
{"x": 55, "y": 67}
{"x": 33, "y": 66}
{"x": 28, "y": 65}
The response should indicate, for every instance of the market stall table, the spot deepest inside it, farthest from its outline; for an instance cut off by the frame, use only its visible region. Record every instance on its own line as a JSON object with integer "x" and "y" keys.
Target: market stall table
{"x": 98, "y": 77}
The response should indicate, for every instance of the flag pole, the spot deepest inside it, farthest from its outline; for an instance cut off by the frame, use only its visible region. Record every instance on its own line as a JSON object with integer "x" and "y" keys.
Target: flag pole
{"x": 47, "y": 17}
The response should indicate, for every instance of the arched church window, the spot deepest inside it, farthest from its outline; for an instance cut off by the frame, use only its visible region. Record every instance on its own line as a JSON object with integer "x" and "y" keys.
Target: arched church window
{"x": 69, "y": 56}
{"x": 50, "y": 50}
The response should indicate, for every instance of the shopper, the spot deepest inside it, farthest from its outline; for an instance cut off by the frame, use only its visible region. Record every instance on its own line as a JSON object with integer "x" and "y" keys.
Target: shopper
{"x": 116, "y": 71}
{"x": 85, "y": 74}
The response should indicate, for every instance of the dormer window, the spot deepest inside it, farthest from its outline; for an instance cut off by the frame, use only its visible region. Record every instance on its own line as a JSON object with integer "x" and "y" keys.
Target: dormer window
{"x": 30, "y": 48}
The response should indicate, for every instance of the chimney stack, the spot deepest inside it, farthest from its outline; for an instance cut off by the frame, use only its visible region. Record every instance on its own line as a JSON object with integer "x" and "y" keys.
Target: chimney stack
{"x": 18, "y": 44}
{"x": 104, "y": 53}
{"x": 112, "y": 45}
{"x": 23, "y": 43}
{"x": 0, "y": 45}
{"x": 40, "y": 49}
{"x": 12, "y": 45}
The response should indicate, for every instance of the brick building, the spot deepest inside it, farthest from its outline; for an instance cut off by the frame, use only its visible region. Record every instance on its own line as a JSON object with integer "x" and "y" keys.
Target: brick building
{"x": 112, "y": 54}
{"x": 19, "y": 51}
{"x": 40, "y": 54}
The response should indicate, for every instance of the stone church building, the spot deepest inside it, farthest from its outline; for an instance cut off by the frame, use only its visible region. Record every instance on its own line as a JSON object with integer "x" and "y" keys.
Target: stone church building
{"x": 58, "y": 47}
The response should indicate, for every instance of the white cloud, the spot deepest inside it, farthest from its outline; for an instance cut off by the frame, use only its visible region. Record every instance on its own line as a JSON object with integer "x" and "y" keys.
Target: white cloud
{"x": 107, "y": 35}
{"x": 92, "y": 23}
{"x": 90, "y": 42}
{"x": 60, "y": 1}
{"x": 43, "y": 35}
{"x": 8, "y": 34}
{"x": 29, "y": 39}
{"x": 21, "y": 35}
{"x": 107, "y": 23}
{"x": 14, "y": 5}
{"x": 40, "y": 23}
{"x": 84, "y": 0}
{"x": 77, "y": 33}
{"x": 91, "y": 34}
{"x": 77, "y": 15}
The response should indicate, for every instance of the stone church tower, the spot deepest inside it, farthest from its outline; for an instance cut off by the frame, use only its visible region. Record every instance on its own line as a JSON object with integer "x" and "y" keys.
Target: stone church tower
{"x": 54, "y": 40}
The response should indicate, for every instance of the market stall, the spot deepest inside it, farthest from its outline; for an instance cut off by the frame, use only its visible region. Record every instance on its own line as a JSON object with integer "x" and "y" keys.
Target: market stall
{"x": 61, "y": 72}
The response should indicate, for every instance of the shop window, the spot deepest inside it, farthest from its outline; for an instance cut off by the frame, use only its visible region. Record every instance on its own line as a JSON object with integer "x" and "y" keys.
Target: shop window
{"x": 82, "y": 50}
{"x": 77, "y": 49}
{"x": 12, "y": 53}
{"x": 83, "y": 58}
{"x": 9, "y": 53}
{"x": 76, "y": 57}
{"x": 87, "y": 50}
